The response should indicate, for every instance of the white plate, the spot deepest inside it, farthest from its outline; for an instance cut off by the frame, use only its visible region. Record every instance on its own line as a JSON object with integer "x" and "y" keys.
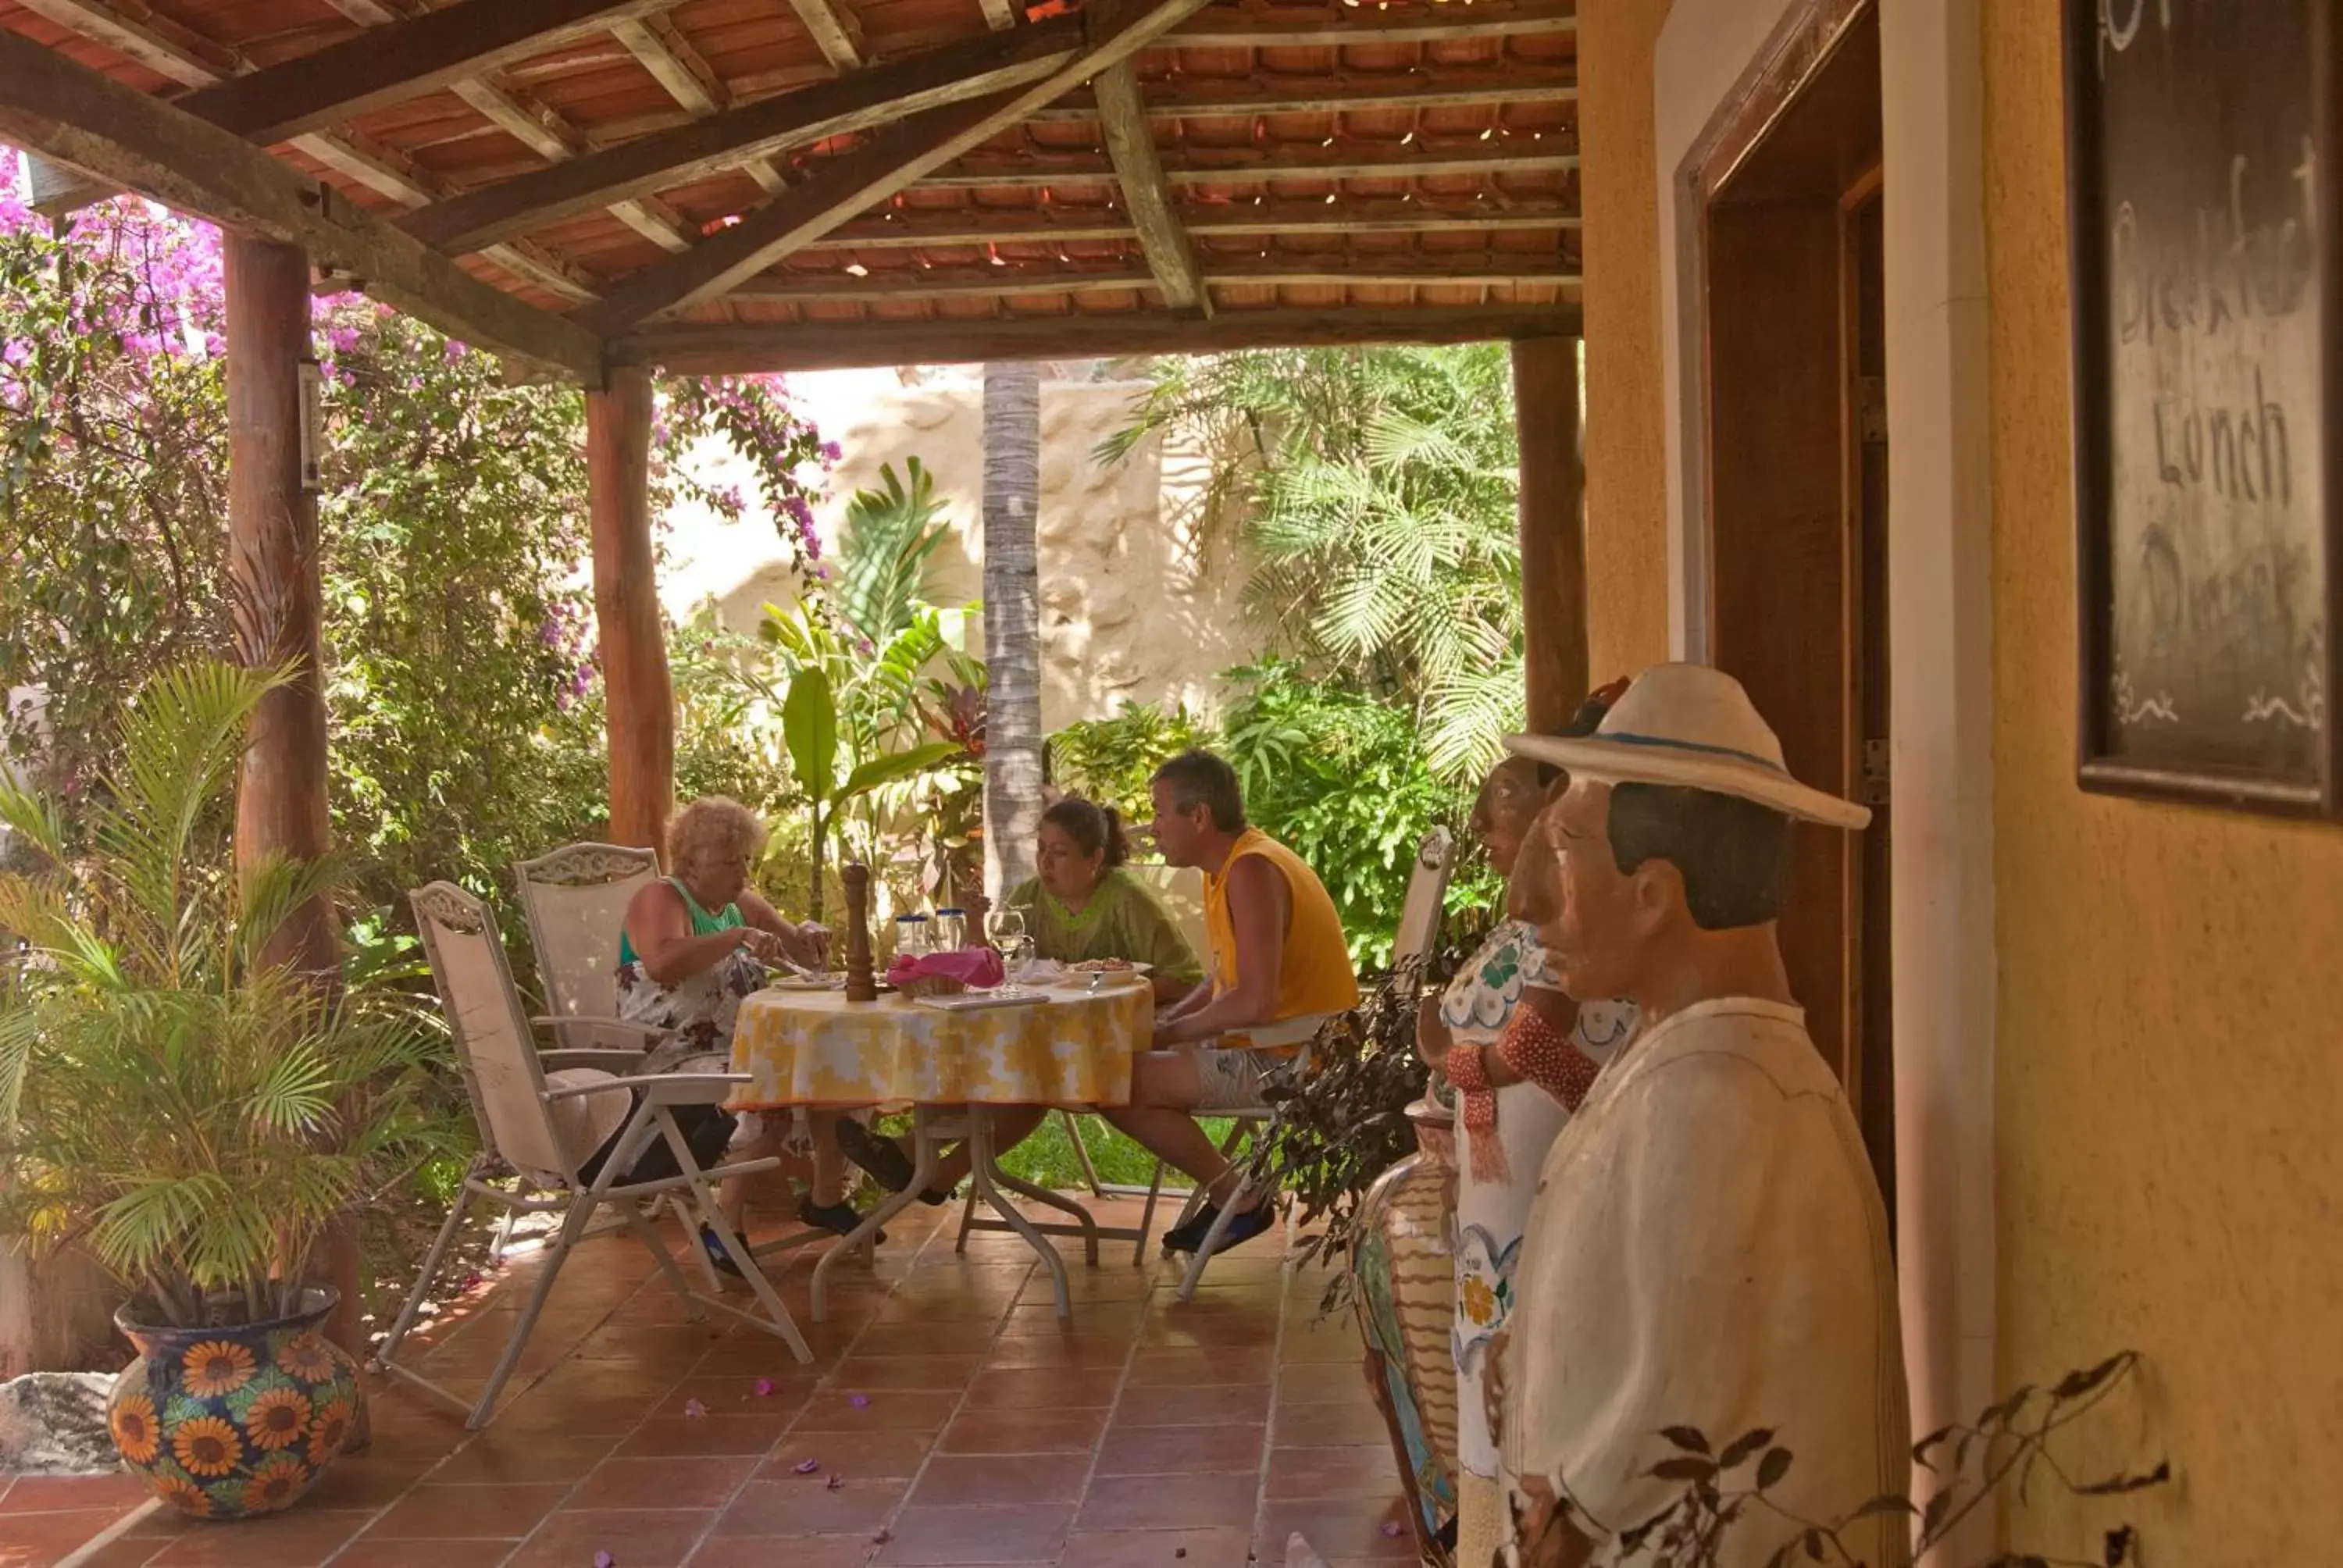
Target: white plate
{"x": 807, "y": 982}
{"x": 1074, "y": 971}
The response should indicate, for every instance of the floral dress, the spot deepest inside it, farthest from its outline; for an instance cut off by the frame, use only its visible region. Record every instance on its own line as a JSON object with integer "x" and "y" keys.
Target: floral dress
{"x": 1491, "y": 1211}
{"x": 699, "y": 1009}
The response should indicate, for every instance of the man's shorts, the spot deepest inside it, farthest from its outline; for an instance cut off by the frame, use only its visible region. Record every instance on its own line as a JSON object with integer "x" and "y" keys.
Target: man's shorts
{"x": 1232, "y": 1080}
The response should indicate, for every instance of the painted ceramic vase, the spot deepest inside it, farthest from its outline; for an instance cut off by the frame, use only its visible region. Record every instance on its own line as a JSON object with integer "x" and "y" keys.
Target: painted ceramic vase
{"x": 1407, "y": 1294}
{"x": 230, "y": 1423}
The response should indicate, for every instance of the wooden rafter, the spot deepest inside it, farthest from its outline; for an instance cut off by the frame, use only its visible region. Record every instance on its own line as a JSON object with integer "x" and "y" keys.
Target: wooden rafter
{"x": 1356, "y": 161}
{"x": 404, "y": 60}
{"x": 868, "y": 98}
{"x": 836, "y": 31}
{"x": 1060, "y": 224}
{"x": 1409, "y": 270}
{"x": 183, "y": 57}
{"x": 743, "y": 350}
{"x": 1230, "y": 28}
{"x": 893, "y": 159}
{"x": 1180, "y": 98}
{"x": 1146, "y": 195}
{"x": 661, "y": 48}
{"x": 90, "y": 122}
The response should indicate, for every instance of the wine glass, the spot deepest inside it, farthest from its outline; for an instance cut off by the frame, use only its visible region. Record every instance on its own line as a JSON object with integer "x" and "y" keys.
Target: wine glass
{"x": 1004, "y": 931}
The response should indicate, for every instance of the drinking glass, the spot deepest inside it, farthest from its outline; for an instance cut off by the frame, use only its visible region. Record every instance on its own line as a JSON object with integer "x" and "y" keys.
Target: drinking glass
{"x": 950, "y": 930}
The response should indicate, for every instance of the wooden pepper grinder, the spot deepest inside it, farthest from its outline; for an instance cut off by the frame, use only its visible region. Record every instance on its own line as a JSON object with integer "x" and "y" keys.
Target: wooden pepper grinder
{"x": 861, "y": 982}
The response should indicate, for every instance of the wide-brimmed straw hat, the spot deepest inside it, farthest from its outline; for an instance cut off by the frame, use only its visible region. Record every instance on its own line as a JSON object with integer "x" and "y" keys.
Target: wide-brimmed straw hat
{"x": 1693, "y": 726}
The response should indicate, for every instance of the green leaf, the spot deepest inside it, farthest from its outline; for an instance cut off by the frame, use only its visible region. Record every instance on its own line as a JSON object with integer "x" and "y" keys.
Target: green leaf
{"x": 810, "y": 724}
{"x": 884, "y": 770}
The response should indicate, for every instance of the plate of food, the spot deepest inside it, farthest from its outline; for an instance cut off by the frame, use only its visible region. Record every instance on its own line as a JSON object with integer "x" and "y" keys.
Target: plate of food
{"x": 807, "y": 981}
{"x": 1085, "y": 972}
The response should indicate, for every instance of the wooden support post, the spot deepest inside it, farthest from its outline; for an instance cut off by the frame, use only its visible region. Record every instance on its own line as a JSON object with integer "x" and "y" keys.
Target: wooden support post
{"x": 275, "y": 598}
{"x": 639, "y": 697}
{"x": 1554, "y": 538}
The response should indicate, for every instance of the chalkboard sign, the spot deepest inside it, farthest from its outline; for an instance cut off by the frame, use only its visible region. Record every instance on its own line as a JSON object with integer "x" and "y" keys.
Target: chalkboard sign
{"x": 2203, "y": 217}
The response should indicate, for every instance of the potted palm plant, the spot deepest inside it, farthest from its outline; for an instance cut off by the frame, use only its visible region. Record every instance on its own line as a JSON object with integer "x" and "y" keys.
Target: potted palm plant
{"x": 188, "y": 1113}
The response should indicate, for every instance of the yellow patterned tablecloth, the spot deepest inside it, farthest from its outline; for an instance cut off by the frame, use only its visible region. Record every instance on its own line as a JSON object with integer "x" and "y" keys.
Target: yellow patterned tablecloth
{"x": 814, "y": 1048}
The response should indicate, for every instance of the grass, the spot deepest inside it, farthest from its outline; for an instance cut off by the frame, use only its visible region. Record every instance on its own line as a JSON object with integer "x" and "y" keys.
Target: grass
{"x": 1047, "y": 1159}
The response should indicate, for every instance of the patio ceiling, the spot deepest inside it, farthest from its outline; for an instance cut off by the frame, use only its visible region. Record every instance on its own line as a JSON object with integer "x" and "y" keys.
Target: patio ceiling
{"x": 743, "y": 184}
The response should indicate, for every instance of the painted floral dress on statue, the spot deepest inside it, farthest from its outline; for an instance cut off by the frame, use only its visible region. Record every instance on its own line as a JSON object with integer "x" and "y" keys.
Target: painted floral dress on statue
{"x": 1497, "y": 1163}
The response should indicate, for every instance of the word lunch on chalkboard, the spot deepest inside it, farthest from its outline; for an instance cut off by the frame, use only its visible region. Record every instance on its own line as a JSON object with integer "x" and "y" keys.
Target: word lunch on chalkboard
{"x": 2202, "y": 204}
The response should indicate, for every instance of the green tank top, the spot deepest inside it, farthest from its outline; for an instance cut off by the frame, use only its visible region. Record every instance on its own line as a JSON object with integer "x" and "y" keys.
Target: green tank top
{"x": 702, "y": 923}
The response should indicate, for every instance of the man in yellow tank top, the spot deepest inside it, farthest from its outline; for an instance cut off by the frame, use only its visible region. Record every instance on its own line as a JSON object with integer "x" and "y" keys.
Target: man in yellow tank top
{"x": 1278, "y": 958}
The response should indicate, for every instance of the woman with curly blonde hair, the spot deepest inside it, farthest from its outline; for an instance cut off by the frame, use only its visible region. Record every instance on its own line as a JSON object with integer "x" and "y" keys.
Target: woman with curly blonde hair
{"x": 694, "y": 943}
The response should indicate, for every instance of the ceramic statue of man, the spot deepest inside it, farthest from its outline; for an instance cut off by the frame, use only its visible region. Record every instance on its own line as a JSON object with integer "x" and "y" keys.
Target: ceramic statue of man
{"x": 1708, "y": 1248}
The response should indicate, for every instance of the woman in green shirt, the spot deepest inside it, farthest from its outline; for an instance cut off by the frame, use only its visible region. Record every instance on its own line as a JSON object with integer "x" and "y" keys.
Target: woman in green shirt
{"x": 1083, "y": 905}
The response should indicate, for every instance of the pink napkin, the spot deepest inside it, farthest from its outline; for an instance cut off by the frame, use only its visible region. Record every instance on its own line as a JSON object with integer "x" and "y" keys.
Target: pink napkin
{"x": 976, "y": 966}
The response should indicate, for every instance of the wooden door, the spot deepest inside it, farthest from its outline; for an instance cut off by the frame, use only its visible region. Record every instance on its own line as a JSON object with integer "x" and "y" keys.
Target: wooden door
{"x": 1795, "y": 510}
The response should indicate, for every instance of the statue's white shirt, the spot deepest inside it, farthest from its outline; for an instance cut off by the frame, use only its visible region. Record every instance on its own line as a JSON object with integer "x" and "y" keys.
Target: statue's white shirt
{"x": 1709, "y": 1249}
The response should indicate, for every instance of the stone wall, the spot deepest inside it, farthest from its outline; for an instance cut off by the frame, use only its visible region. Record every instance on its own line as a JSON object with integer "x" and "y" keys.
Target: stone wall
{"x": 1140, "y": 591}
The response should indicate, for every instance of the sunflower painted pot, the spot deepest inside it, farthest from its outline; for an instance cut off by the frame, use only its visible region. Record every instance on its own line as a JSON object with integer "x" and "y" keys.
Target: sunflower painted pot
{"x": 230, "y": 1423}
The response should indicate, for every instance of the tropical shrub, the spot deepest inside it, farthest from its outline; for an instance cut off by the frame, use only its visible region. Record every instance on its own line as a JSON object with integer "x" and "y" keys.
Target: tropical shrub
{"x": 1375, "y": 490}
{"x": 1110, "y": 760}
{"x": 189, "y": 1112}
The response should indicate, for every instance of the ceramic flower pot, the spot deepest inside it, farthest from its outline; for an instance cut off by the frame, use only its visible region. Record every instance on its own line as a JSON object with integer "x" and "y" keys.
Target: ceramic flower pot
{"x": 230, "y": 1423}
{"x": 1406, "y": 1290}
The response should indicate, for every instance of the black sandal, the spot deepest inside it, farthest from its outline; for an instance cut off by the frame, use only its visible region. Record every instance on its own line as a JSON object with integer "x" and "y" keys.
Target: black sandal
{"x": 888, "y": 1165}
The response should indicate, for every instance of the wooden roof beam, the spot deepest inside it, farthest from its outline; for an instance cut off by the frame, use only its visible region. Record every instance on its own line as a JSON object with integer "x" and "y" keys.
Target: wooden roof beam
{"x": 1060, "y": 223}
{"x": 1412, "y": 161}
{"x": 836, "y": 31}
{"x": 893, "y": 158}
{"x": 661, "y": 48}
{"x": 90, "y": 122}
{"x": 868, "y": 99}
{"x": 136, "y": 33}
{"x": 1138, "y": 170}
{"x": 404, "y": 60}
{"x": 1236, "y": 27}
{"x": 742, "y": 349}
{"x": 1282, "y": 93}
{"x": 1487, "y": 270}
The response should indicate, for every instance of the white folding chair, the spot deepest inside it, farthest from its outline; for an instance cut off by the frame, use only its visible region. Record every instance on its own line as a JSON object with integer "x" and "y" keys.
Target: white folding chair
{"x": 575, "y": 900}
{"x": 522, "y": 1118}
{"x": 1418, "y": 928}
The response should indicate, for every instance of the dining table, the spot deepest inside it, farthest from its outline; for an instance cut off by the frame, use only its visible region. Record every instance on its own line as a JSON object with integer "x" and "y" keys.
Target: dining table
{"x": 954, "y": 1062}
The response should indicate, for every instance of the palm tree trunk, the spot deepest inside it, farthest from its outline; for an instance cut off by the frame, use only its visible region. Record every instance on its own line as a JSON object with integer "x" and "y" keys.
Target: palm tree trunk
{"x": 1012, "y": 623}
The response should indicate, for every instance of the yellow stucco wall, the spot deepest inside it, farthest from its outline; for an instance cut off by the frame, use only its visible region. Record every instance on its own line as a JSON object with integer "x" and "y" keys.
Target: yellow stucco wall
{"x": 1627, "y": 478}
{"x": 2169, "y": 1068}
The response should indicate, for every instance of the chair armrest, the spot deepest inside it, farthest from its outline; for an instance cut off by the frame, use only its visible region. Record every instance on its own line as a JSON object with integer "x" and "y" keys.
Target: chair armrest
{"x": 615, "y": 1060}
{"x": 564, "y": 1028}
{"x": 575, "y": 1090}
{"x": 688, "y": 1088}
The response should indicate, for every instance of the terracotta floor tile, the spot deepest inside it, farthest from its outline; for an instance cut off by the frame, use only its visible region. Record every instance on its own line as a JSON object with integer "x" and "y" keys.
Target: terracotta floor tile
{"x": 1161, "y": 1368}
{"x": 646, "y": 1341}
{"x": 972, "y": 1535}
{"x": 1111, "y": 1281}
{"x": 440, "y": 1512}
{"x": 1327, "y": 1425}
{"x": 924, "y": 1339}
{"x": 123, "y": 1553}
{"x": 1324, "y": 1382}
{"x": 62, "y": 1494}
{"x": 857, "y": 1456}
{"x": 790, "y": 1552}
{"x": 1024, "y": 1431}
{"x": 1169, "y": 1503}
{"x": 1324, "y": 1339}
{"x": 38, "y": 1540}
{"x": 1104, "y": 1319}
{"x": 611, "y": 1415}
{"x": 944, "y": 1307}
{"x": 1206, "y": 1333}
{"x": 752, "y": 1434}
{"x": 969, "y": 1479}
{"x": 365, "y": 1482}
{"x": 698, "y": 1481}
{"x": 1335, "y": 1529}
{"x": 1204, "y": 1404}
{"x": 735, "y": 1393}
{"x": 1045, "y": 1388}
{"x": 938, "y": 1372}
{"x": 297, "y": 1539}
{"x": 637, "y": 1537}
{"x": 503, "y": 1454}
{"x": 1226, "y": 1548}
{"x": 475, "y": 1553}
{"x": 772, "y": 1508}
{"x": 1049, "y": 1351}
{"x": 1180, "y": 1449}
{"x": 881, "y": 1410}
{"x": 1360, "y": 1469}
